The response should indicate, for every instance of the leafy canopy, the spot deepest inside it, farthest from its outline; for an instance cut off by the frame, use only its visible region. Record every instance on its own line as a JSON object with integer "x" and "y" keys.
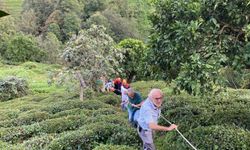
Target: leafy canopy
{"x": 193, "y": 40}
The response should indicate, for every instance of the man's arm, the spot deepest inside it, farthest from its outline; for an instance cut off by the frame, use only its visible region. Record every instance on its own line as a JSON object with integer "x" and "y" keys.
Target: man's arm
{"x": 155, "y": 126}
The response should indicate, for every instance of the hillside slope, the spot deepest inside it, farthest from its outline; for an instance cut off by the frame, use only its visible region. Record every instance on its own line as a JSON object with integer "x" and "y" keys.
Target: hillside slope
{"x": 51, "y": 118}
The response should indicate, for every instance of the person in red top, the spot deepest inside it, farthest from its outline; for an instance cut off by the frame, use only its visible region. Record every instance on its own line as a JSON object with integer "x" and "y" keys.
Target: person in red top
{"x": 117, "y": 86}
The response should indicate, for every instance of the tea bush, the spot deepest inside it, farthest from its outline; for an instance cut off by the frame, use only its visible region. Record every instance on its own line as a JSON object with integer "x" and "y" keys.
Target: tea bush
{"x": 39, "y": 142}
{"x": 113, "y": 147}
{"x": 110, "y": 99}
{"x": 25, "y": 119}
{"x": 71, "y": 104}
{"x": 213, "y": 137}
{"x": 23, "y": 48}
{"x": 57, "y": 125}
{"x": 12, "y": 87}
{"x": 88, "y": 136}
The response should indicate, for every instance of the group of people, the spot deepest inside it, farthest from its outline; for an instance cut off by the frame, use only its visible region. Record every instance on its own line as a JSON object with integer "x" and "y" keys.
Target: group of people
{"x": 143, "y": 115}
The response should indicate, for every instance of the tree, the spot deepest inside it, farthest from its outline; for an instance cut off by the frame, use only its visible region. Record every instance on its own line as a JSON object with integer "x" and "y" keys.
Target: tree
{"x": 54, "y": 28}
{"x": 89, "y": 56}
{"x": 28, "y": 22}
{"x": 71, "y": 25}
{"x": 193, "y": 39}
{"x": 23, "y": 48}
{"x": 133, "y": 62}
{"x": 121, "y": 27}
{"x": 7, "y": 30}
{"x": 52, "y": 46}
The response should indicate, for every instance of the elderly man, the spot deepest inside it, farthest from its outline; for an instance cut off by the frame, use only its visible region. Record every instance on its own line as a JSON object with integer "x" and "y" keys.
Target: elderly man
{"x": 148, "y": 118}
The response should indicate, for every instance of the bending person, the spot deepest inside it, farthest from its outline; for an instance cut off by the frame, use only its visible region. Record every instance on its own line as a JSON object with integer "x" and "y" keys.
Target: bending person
{"x": 134, "y": 103}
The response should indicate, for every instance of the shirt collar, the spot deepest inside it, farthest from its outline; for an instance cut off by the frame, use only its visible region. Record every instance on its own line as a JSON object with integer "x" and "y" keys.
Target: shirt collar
{"x": 152, "y": 104}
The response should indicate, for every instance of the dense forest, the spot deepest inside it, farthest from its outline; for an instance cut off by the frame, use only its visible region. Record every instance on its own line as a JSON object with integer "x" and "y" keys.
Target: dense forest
{"x": 51, "y": 51}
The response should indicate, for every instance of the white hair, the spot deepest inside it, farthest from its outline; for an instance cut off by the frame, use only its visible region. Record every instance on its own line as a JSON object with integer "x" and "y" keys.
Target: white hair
{"x": 153, "y": 92}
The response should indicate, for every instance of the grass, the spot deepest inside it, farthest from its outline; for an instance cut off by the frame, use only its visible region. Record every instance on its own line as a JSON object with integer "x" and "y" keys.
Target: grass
{"x": 13, "y": 7}
{"x": 36, "y": 74}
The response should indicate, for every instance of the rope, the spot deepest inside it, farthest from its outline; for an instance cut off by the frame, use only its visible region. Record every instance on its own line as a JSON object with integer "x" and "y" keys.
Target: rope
{"x": 175, "y": 129}
{"x": 179, "y": 133}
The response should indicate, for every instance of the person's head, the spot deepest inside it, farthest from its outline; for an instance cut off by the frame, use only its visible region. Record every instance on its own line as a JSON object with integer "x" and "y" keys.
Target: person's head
{"x": 124, "y": 82}
{"x": 131, "y": 93}
{"x": 117, "y": 80}
{"x": 127, "y": 86}
{"x": 156, "y": 96}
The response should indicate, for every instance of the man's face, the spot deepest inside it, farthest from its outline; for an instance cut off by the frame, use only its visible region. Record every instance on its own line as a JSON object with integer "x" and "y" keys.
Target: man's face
{"x": 131, "y": 94}
{"x": 157, "y": 99}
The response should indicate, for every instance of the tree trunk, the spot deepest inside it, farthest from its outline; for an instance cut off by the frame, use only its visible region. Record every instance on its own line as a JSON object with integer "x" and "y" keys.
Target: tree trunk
{"x": 82, "y": 84}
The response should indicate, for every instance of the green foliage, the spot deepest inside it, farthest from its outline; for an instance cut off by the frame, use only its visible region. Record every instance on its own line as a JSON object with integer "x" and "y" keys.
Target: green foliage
{"x": 113, "y": 147}
{"x": 208, "y": 33}
{"x": 42, "y": 9}
{"x": 13, "y": 7}
{"x": 218, "y": 121}
{"x": 93, "y": 6}
{"x": 199, "y": 77}
{"x": 60, "y": 121}
{"x": 12, "y": 87}
{"x": 101, "y": 132}
{"x": 25, "y": 119}
{"x": 92, "y": 54}
{"x": 23, "y": 48}
{"x": 39, "y": 142}
{"x": 57, "y": 125}
{"x": 4, "y": 145}
{"x": 122, "y": 18}
{"x": 7, "y": 30}
{"x": 71, "y": 25}
{"x": 35, "y": 74}
{"x": 235, "y": 79}
{"x": 66, "y": 105}
{"x": 144, "y": 87}
{"x": 98, "y": 19}
{"x": 110, "y": 99}
{"x": 213, "y": 137}
{"x": 54, "y": 28}
{"x": 121, "y": 27}
{"x": 134, "y": 57}
{"x": 51, "y": 45}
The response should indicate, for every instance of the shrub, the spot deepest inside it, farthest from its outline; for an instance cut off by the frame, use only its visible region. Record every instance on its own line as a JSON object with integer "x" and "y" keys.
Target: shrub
{"x": 246, "y": 80}
{"x": 103, "y": 111}
{"x": 71, "y": 104}
{"x": 232, "y": 78}
{"x": 117, "y": 119}
{"x": 4, "y": 145}
{"x": 101, "y": 132}
{"x": 39, "y": 142}
{"x": 213, "y": 137}
{"x": 23, "y": 48}
{"x": 25, "y": 119}
{"x": 145, "y": 87}
{"x": 56, "y": 125}
{"x": 12, "y": 87}
{"x": 110, "y": 99}
{"x": 113, "y": 147}
{"x": 9, "y": 114}
{"x": 29, "y": 65}
{"x": 75, "y": 111}
{"x": 191, "y": 112}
